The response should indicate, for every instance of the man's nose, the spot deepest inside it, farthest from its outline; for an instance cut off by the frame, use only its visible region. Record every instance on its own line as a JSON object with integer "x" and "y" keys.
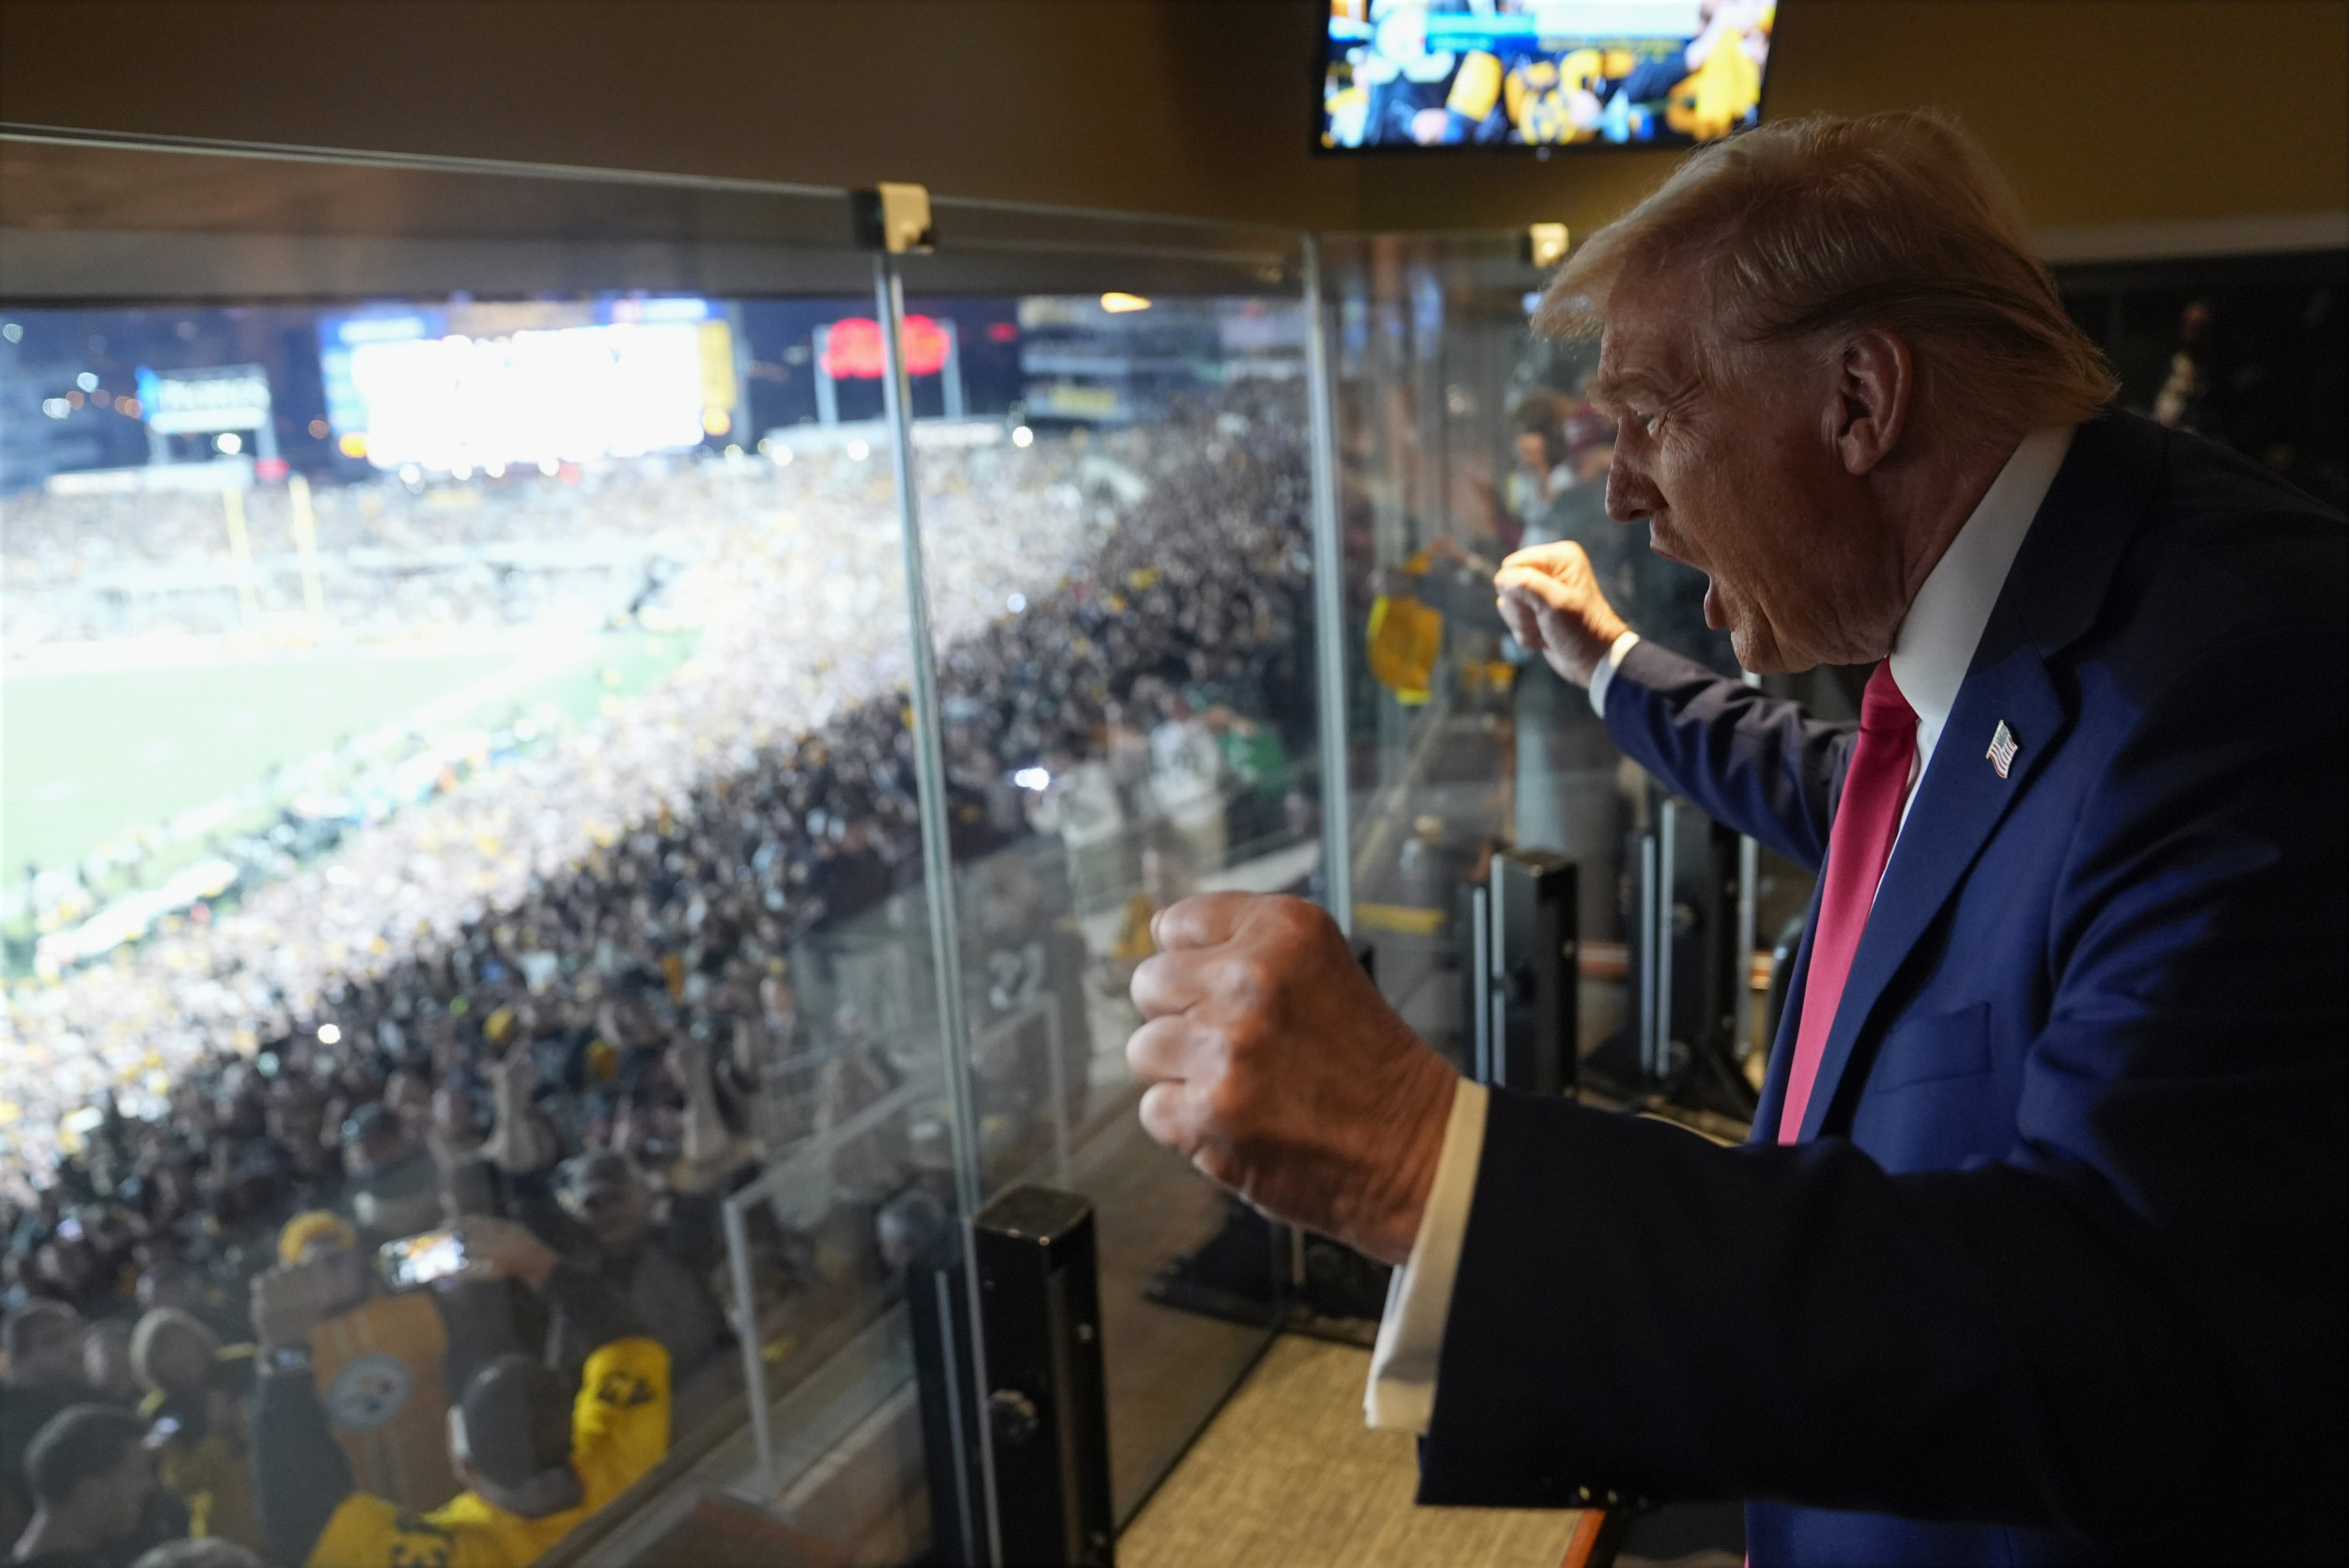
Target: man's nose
{"x": 1629, "y": 495}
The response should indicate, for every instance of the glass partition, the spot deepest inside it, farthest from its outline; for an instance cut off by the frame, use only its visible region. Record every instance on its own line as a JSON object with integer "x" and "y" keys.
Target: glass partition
{"x": 458, "y": 767}
{"x": 1129, "y": 720}
{"x": 1460, "y": 435}
{"x": 473, "y": 755}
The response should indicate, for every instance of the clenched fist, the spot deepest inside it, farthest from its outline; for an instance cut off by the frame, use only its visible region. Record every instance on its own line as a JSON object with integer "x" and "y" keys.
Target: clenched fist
{"x": 1551, "y": 600}
{"x": 1274, "y": 1064}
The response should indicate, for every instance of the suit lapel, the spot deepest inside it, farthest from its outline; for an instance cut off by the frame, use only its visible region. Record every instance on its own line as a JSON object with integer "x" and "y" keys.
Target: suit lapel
{"x": 2051, "y": 597}
{"x": 1959, "y": 802}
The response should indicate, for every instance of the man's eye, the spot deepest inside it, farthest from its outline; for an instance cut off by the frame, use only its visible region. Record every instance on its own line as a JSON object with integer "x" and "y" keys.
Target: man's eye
{"x": 1652, "y": 423}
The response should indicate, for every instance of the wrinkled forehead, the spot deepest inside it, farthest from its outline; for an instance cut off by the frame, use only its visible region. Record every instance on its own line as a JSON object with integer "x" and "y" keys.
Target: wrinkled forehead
{"x": 1650, "y": 347}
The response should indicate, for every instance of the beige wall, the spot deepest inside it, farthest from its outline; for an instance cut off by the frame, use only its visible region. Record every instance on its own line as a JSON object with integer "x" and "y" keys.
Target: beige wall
{"x": 2103, "y": 110}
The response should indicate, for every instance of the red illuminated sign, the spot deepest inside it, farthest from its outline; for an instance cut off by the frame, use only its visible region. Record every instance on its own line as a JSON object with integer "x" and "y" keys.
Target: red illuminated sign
{"x": 852, "y": 349}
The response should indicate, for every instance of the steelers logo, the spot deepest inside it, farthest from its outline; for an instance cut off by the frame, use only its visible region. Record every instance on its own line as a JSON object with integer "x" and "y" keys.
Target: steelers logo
{"x": 369, "y": 1392}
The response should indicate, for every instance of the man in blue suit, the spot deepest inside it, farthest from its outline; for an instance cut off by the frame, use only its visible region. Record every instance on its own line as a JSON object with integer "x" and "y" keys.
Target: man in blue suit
{"x": 2036, "y": 1253}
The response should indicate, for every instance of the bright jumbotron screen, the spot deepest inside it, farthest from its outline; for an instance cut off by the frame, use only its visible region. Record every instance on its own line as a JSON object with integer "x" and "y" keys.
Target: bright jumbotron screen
{"x": 1420, "y": 74}
{"x": 457, "y": 387}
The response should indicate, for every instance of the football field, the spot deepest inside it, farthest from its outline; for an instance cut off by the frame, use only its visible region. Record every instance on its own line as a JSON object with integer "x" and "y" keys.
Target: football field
{"x": 87, "y": 755}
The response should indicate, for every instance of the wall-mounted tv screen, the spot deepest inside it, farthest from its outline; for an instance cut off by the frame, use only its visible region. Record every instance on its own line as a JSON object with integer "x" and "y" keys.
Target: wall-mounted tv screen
{"x": 1541, "y": 73}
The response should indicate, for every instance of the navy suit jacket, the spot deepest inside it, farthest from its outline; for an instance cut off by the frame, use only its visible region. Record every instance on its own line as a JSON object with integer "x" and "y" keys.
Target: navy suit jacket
{"x": 2058, "y": 1276}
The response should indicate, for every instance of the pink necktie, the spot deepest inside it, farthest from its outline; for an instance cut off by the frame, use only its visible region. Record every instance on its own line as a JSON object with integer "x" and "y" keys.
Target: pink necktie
{"x": 1857, "y": 846}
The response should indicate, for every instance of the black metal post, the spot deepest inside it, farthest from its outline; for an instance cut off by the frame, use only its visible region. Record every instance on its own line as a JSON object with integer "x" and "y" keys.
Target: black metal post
{"x": 1047, "y": 1414}
{"x": 1528, "y": 985}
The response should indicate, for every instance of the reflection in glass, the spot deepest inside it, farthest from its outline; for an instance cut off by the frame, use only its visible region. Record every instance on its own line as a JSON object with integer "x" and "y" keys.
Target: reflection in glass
{"x": 1141, "y": 729}
{"x": 488, "y": 791}
{"x": 1463, "y": 436}
{"x": 493, "y": 799}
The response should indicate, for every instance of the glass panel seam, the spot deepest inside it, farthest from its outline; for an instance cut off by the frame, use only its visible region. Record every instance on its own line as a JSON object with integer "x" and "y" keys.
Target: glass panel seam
{"x": 937, "y": 846}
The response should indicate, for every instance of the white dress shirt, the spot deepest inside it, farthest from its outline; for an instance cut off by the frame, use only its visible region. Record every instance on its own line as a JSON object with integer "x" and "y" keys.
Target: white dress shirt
{"x": 1931, "y": 653}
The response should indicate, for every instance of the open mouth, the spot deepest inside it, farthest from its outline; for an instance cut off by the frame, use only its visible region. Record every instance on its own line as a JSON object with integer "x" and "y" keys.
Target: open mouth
{"x": 1660, "y": 542}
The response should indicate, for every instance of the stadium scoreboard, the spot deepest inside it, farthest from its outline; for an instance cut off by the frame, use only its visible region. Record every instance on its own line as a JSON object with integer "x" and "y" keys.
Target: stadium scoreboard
{"x": 464, "y": 386}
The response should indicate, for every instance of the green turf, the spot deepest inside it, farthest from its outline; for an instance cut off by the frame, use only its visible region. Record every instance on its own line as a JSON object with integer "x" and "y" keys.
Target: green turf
{"x": 90, "y": 754}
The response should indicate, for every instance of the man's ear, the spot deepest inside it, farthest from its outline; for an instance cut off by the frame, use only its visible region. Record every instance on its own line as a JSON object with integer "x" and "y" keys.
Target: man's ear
{"x": 1874, "y": 382}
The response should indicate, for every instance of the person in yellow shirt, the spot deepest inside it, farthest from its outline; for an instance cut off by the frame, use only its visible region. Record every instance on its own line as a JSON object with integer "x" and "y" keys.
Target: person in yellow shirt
{"x": 198, "y": 1431}
{"x": 536, "y": 1455}
{"x": 380, "y": 1362}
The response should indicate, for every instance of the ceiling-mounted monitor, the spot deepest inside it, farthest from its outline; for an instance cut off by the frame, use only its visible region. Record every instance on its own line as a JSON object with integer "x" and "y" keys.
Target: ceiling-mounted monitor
{"x": 1421, "y": 75}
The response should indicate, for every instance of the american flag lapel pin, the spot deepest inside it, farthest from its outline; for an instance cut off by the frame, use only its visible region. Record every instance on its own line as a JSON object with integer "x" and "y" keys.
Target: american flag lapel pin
{"x": 2002, "y": 748}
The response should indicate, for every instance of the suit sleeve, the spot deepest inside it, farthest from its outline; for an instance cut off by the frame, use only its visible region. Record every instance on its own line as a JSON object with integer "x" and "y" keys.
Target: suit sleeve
{"x": 2127, "y": 1328}
{"x": 1759, "y": 764}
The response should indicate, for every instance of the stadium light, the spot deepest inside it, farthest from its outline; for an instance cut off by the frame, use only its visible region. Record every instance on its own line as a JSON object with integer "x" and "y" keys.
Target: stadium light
{"x": 1118, "y": 304}
{"x": 1022, "y": 436}
{"x": 329, "y": 1033}
{"x": 229, "y": 442}
{"x": 859, "y": 451}
{"x": 86, "y": 382}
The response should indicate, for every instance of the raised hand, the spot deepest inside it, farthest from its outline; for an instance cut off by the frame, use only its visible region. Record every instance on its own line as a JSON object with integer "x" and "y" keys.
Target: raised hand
{"x": 291, "y": 1299}
{"x": 520, "y": 1138}
{"x": 1274, "y": 1064}
{"x": 513, "y": 1076}
{"x": 1552, "y": 602}
{"x": 502, "y": 1250}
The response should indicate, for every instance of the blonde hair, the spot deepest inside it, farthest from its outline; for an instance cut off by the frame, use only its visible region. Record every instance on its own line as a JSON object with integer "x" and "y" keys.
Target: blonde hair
{"x": 1806, "y": 230}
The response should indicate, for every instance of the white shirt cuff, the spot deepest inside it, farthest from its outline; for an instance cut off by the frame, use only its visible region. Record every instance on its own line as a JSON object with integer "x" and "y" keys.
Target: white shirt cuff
{"x": 1603, "y": 676}
{"x": 1402, "y": 1391}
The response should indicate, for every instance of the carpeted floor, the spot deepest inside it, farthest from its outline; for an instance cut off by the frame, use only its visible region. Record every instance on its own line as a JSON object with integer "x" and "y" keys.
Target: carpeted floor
{"x": 1288, "y": 1475}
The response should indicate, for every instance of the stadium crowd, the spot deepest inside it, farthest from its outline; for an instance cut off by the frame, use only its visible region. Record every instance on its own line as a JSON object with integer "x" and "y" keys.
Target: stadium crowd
{"x": 398, "y": 559}
{"x": 568, "y": 1007}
